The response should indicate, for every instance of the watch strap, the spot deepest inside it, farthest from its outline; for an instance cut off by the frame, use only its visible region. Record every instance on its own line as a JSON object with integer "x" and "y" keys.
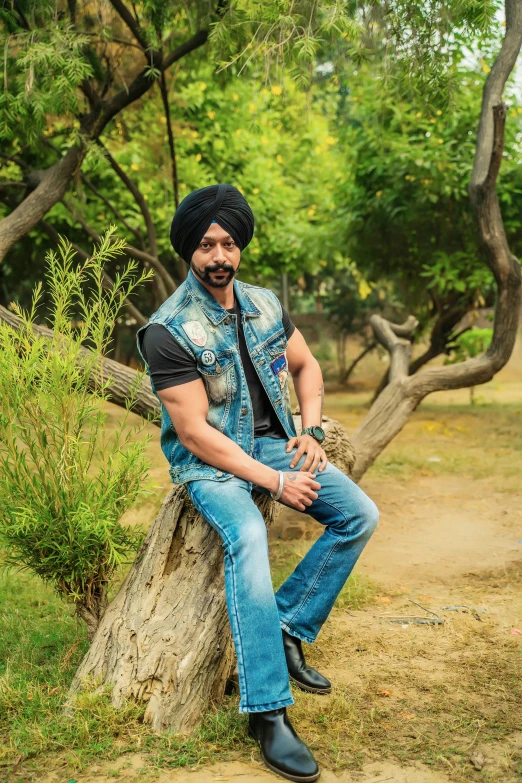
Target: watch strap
{"x": 310, "y": 431}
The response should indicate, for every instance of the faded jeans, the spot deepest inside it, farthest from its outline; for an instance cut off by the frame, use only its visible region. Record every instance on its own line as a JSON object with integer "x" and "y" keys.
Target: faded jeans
{"x": 304, "y": 600}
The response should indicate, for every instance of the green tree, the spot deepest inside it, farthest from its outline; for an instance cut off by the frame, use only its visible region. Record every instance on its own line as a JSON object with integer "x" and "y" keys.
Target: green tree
{"x": 81, "y": 71}
{"x": 409, "y": 219}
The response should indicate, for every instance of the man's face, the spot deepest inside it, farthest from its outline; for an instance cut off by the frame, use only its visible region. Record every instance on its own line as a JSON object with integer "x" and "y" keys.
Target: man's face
{"x": 217, "y": 257}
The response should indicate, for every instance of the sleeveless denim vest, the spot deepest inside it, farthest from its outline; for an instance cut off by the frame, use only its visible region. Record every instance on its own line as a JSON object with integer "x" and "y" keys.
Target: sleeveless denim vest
{"x": 208, "y": 332}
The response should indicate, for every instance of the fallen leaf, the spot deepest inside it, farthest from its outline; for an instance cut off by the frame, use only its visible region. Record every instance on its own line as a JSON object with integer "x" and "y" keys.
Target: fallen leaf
{"x": 477, "y": 759}
{"x": 515, "y": 632}
{"x": 383, "y": 599}
{"x": 385, "y": 693}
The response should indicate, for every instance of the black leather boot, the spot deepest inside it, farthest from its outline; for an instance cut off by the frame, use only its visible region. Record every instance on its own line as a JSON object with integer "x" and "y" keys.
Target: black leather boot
{"x": 282, "y": 750}
{"x": 304, "y": 676}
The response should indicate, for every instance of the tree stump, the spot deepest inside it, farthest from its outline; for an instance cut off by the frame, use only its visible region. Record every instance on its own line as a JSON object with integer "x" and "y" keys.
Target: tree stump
{"x": 165, "y": 638}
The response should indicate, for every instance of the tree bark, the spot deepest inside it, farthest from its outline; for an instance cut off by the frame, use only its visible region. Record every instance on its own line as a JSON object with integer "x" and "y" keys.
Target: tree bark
{"x": 165, "y": 638}
{"x": 50, "y": 190}
{"x": 441, "y": 334}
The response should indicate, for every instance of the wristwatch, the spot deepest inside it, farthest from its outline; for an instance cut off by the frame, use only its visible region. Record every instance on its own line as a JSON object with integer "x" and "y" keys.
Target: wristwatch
{"x": 316, "y": 432}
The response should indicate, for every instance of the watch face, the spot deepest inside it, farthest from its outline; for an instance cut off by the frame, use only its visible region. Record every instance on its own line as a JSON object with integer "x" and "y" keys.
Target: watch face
{"x": 319, "y": 434}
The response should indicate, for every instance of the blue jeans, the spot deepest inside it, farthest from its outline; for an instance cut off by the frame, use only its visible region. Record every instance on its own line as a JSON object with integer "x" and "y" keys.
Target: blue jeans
{"x": 304, "y": 601}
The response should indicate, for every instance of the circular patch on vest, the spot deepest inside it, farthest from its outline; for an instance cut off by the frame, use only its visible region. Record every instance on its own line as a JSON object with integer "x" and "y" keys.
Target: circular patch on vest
{"x": 208, "y": 358}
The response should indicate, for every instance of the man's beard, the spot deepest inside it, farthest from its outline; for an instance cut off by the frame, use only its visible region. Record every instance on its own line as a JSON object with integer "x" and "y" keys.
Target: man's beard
{"x": 205, "y": 275}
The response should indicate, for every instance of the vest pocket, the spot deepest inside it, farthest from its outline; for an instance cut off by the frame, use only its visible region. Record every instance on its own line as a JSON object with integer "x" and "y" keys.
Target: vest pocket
{"x": 217, "y": 379}
{"x": 276, "y": 346}
{"x": 220, "y": 384}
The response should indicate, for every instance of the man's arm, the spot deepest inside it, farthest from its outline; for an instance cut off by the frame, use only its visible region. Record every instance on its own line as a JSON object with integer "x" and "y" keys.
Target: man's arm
{"x": 309, "y": 388}
{"x": 187, "y": 406}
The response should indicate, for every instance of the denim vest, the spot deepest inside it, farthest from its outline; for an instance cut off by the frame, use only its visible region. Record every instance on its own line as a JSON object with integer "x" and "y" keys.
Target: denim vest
{"x": 208, "y": 332}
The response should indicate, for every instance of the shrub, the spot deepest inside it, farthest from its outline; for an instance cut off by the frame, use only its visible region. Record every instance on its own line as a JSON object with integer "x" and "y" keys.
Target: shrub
{"x": 66, "y": 477}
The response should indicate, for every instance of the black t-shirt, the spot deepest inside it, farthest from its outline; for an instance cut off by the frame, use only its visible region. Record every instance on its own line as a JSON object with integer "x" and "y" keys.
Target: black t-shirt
{"x": 172, "y": 365}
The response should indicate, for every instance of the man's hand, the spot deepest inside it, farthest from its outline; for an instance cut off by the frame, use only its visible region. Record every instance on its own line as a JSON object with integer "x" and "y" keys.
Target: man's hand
{"x": 315, "y": 454}
{"x": 300, "y": 490}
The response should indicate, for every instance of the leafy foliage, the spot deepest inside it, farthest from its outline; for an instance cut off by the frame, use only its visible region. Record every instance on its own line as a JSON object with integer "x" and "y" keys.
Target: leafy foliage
{"x": 411, "y": 221}
{"x": 469, "y": 344}
{"x": 369, "y": 166}
{"x": 282, "y": 156}
{"x": 65, "y": 480}
{"x": 43, "y": 71}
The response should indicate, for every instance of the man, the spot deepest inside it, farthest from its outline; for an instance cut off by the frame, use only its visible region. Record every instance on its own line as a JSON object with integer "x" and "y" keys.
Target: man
{"x": 218, "y": 352}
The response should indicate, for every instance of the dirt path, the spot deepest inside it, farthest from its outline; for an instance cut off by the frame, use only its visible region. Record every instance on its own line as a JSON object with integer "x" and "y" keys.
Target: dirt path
{"x": 435, "y": 530}
{"x": 127, "y": 768}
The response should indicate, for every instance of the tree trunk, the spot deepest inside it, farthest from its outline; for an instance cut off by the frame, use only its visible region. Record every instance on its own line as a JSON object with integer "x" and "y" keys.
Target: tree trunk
{"x": 165, "y": 638}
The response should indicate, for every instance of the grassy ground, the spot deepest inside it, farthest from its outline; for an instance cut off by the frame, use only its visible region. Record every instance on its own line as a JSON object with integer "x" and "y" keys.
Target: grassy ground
{"x": 411, "y": 693}
{"x": 41, "y": 645}
{"x": 477, "y": 441}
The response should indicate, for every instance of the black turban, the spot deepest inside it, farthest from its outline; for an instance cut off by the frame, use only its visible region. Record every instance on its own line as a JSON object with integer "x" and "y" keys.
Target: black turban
{"x": 222, "y": 204}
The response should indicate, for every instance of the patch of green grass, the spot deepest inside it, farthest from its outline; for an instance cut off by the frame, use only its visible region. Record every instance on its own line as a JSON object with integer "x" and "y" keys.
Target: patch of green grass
{"x": 472, "y": 686}
{"x": 479, "y": 442}
{"x": 41, "y": 645}
{"x": 358, "y": 591}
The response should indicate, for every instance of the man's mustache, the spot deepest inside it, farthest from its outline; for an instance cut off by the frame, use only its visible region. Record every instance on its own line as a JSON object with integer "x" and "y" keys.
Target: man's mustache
{"x": 219, "y": 268}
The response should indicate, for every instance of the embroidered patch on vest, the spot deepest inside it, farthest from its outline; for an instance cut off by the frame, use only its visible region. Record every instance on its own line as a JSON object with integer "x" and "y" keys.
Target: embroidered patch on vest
{"x": 278, "y": 364}
{"x": 195, "y": 332}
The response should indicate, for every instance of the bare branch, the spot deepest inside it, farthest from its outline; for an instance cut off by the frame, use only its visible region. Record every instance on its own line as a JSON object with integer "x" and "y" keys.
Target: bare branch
{"x": 346, "y": 374}
{"x": 441, "y": 333}
{"x": 138, "y": 197}
{"x": 197, "y": 40}
{"x": 396, "y": 338}
{"x": 112, "y": 208}
{"x": 112, "y": 39}
{"x": 31, "y": 210}
{"x": 133, "y": 252}
{"x": 133, "y": 25}
{"x": 493, "y": 90}
{"x": 170, "y": 134}
{"x": 182, "y": 267}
